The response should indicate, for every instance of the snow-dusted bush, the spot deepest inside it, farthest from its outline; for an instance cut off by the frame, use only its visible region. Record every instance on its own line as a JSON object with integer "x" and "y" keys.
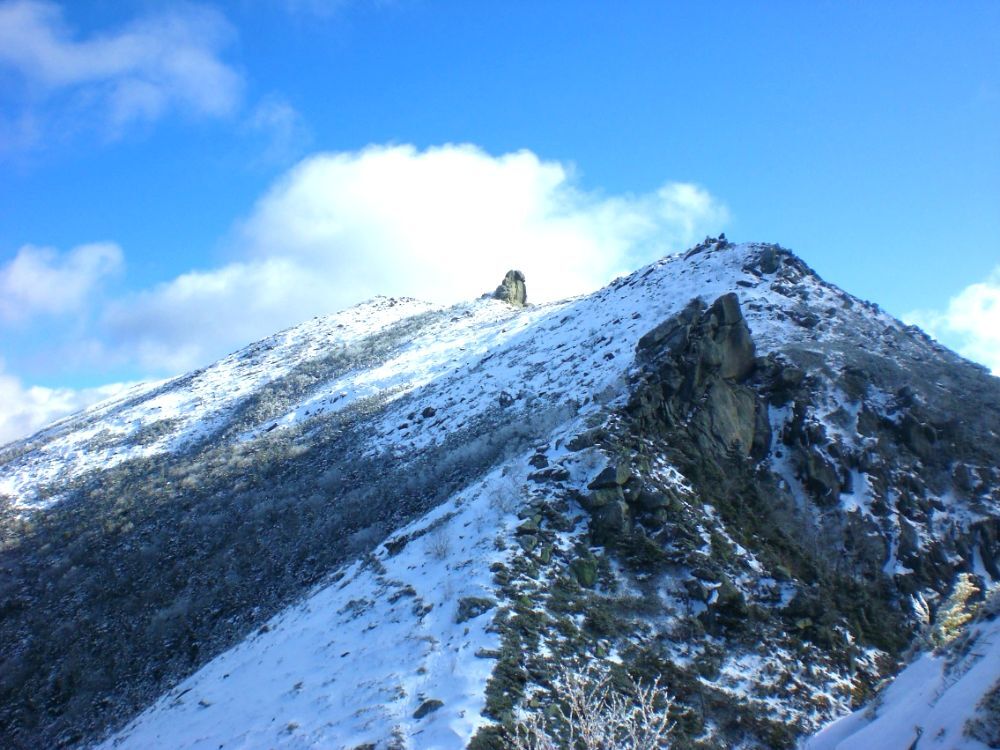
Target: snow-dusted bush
{"x": 438, "y": 543}
{"x": 592, "y": 715}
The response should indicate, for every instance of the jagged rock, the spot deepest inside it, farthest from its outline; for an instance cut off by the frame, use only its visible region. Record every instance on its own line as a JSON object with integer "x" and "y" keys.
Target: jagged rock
{"x": 539, "y": 461}
{"x": 728, "y": 344}
{"x": 729, "y": 415}
{"x": 672, "y": 333}
{"x": 512, "y": 289}
{"x": 715, "y": 340}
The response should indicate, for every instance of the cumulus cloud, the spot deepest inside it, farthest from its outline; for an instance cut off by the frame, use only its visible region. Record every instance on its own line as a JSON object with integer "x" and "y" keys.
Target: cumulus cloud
{"x": 442, "y": 224}
{"x": 40, "y": 280}
{"x": 26, "y": 409}
{"x": 971, "y": 322}
{"x": 161, "y": 62}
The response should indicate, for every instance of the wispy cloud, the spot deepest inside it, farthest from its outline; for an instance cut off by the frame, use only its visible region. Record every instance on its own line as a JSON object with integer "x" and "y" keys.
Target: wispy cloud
{"x": 168, "y": 61}
{"x": 40, "y": 280}
{"x": 971, "y": 322}
{"x": 278, "y": 130}
{"x": 443, "y": 224}
{"x": 26, "y": 409}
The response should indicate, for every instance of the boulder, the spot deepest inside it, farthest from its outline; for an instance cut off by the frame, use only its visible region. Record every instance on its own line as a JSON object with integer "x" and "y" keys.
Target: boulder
{"x": 610, "y": 522}
{"x": 512, "y": 289}
{"x": 770, "y": 260}
{"x": 611, "y": 477}
{"x": 601, "y": 497}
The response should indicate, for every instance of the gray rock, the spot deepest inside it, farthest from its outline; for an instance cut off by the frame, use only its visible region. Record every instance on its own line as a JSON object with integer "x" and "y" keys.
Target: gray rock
{"x": 512, "y": 289}
{"x": 611, "y": 477}
{"x": 529, "y": 526}
{"x": 770, "y": 260}
{"x": 610, "y": 522}
{"x": 528, "y": 542}
{"x": 601, "y": 497}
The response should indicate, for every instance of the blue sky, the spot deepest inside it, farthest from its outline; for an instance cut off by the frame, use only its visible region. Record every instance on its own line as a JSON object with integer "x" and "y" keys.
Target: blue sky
{"x": 179, "y": 179}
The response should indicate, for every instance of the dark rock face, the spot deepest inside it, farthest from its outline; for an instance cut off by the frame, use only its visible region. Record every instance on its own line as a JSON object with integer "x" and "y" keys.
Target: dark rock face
{"x": 840, "y": 479}
{"x": 702, "y": 356}
{"x": 512, "y": 289}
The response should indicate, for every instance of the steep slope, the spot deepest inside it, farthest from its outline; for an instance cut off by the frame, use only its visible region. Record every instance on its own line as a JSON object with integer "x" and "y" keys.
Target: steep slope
{"x": 758, "y": 495}
{"x": 946, "y": 698}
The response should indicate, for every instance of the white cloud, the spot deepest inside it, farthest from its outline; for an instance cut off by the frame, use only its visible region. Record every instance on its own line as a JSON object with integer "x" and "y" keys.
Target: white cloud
{"x": 186, "y": 322}
{"x": 442, "y": 224}
{"x": 278, "y": 127}
{"x": 139, "y": 72}
{"x": 40, "y": 280}
{"x": 971, "y": 322}
{"x": 24, "y": 410}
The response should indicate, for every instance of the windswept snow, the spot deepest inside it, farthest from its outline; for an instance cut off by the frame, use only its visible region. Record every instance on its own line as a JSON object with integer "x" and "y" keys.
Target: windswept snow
{"x": 929, "y": 705}
{"x": 462, "y": 359}
{"x": 353, "y": 662}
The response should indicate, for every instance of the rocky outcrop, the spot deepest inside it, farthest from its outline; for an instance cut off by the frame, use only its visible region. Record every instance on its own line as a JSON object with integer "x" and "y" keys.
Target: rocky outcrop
{"x": 512, "y": 289}
{"x": 694, "y": 366}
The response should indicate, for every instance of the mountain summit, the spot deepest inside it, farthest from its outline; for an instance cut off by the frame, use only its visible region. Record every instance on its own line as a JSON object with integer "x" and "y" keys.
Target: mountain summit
{"x": 403, "y": 525}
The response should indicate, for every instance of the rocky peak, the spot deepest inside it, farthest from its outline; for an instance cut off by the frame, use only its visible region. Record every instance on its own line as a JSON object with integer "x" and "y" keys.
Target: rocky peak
{"x": 512, "y": 289}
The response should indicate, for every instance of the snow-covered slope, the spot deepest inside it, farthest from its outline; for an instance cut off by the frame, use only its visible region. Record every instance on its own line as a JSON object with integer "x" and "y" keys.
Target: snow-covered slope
{"x": 416, "y": 482}
{"x": 167, "y": 416}
{"x": 947, "y": 699}
{"x": 354, "y": 662}
{"x": 464, "y": 355}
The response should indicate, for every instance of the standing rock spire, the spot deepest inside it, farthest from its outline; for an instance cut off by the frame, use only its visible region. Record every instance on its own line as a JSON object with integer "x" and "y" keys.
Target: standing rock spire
{"x": 512, "y": 289}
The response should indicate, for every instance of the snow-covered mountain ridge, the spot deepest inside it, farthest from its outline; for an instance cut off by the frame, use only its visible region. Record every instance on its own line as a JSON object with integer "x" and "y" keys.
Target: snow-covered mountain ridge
{"x": 796, "y": 477}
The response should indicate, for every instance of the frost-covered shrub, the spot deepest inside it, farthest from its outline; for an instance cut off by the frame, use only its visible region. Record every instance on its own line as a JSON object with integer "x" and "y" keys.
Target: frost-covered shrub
{"x": 589, "y": 714}
{"x": 438, "y": 544}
